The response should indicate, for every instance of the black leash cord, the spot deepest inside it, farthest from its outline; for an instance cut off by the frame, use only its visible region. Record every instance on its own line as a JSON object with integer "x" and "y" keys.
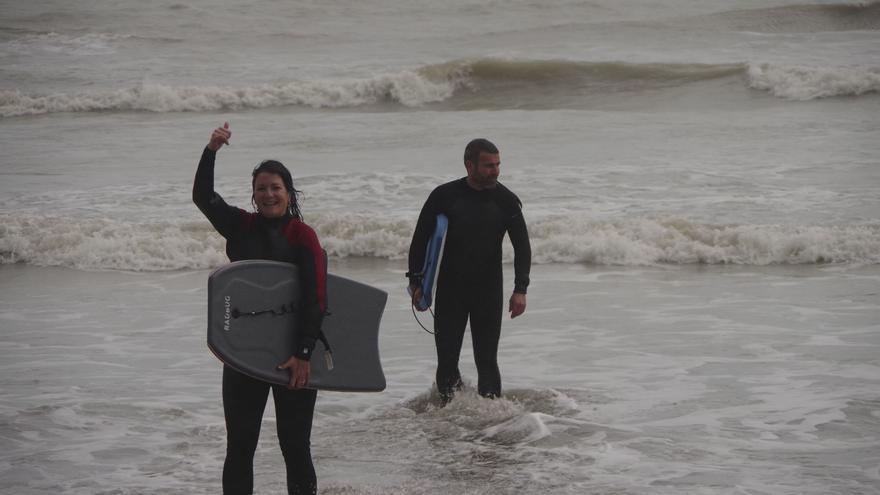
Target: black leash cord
{"x": 413, "y": 307}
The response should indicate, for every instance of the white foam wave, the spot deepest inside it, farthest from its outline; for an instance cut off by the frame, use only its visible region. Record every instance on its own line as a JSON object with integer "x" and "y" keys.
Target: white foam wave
{"x": 799, "y": 82}
{"x": 523, "y": 429}
{"x": 363, "y": 236}
{"x": 646, "y": 241}
{"x": 439, "y": 83}
{"x": 407, "y": 87}
{"x": 110, "y": 244}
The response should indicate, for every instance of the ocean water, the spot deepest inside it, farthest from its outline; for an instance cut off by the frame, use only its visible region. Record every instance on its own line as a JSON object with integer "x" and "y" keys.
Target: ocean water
{"x": 700, "y": 181}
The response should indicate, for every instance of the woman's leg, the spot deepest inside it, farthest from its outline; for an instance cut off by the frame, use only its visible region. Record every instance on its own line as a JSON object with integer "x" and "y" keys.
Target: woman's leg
{"x": 244, "y": 400}
{"x": 294, "y": 410}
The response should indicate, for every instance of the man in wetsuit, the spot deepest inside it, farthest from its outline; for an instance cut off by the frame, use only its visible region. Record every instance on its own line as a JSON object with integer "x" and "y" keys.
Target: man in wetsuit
{"x": 470, "y": 283}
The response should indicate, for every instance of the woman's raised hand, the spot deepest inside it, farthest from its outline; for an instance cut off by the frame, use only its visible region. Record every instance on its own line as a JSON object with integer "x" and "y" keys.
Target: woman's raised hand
{"x": 219, "y": 137}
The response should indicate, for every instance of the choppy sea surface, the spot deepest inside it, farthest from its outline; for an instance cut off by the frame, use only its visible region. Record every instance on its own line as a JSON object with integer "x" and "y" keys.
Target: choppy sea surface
{"x": 699, "y": 178}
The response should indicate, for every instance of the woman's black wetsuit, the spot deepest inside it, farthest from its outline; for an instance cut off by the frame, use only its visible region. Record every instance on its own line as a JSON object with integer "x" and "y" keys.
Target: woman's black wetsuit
{"x": 470, "y": 282}
{"x": 252, "y": 236}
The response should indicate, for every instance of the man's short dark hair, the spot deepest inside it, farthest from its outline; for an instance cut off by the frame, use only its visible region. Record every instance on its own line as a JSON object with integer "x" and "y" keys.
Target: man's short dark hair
{"x": 474, "y": 148}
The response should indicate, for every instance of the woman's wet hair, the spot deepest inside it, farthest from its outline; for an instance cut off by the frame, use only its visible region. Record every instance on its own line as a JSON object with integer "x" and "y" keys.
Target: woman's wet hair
{"x": 277, "y": 168}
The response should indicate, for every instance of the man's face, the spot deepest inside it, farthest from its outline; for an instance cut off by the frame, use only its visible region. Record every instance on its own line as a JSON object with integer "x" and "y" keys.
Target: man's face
{"x": 484, "y": 173}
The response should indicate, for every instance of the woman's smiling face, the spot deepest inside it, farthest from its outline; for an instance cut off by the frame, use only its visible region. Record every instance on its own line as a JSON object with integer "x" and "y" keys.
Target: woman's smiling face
{"x": 270, "y": 195}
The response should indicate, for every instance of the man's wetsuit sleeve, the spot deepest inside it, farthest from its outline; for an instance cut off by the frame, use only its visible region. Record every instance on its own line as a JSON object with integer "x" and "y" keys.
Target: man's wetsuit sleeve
{"x": 226, "y": 219}
{"x": 522, "y": 252}
{"x": 424, "y": 229}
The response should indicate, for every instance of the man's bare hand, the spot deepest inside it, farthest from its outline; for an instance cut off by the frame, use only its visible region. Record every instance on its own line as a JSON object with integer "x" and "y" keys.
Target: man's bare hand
{"x": 517, "y": 304}
{"x": 416, "y": 292}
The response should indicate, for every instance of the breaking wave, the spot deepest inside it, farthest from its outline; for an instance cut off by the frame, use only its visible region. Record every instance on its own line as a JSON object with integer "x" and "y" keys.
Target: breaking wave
{"x": 407, "y": 88}
{"x": 486, "y": 83}
{"x": 157, "y": 246}
{"x": 809, "y": 83}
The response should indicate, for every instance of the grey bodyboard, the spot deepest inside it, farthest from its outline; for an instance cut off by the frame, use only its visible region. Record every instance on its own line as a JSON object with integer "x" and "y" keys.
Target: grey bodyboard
{"x": 255, "y": 344}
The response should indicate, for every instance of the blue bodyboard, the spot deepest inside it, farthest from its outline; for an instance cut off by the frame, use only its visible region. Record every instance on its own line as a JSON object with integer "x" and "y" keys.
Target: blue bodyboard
{"x": 433, "y": 256}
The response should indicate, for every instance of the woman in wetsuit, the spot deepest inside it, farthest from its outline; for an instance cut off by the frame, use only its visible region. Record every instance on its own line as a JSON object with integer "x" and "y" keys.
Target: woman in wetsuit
{"x": 275, "y": 232}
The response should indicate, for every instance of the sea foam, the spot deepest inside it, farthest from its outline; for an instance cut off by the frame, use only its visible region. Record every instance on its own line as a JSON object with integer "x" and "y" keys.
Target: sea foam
{"x": 799, "y": 82}
{"x": 100, "y": 243}
{"x": 407, "y": 88}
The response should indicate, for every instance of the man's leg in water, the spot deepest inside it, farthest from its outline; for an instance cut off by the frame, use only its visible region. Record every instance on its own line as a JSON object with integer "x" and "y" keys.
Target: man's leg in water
{"x": 485, "y": 332}
{"x": 450, "y": 319}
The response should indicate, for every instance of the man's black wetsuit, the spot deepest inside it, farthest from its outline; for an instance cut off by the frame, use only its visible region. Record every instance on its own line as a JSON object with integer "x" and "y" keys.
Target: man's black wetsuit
{"x": 470, "y": 282}
{"x": 252, "y": 236}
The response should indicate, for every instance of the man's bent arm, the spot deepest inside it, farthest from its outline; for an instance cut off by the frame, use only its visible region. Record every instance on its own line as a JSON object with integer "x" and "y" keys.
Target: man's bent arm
{"x": 522, "y": 253}
{"x": 419, "y": 244}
